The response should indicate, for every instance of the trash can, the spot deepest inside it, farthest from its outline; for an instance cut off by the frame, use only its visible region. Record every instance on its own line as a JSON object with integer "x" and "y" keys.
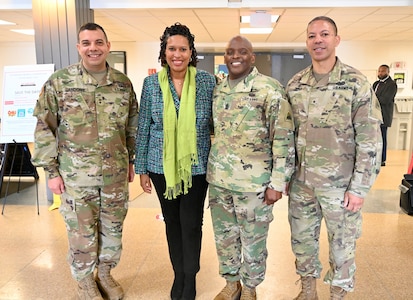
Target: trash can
{"x": 406, "y": 194}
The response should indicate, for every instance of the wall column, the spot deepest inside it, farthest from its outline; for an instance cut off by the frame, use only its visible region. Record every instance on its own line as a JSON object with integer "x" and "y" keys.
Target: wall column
{"x": 56, "y": 23}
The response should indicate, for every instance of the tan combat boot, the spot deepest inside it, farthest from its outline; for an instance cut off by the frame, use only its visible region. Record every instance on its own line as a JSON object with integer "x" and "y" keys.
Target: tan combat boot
{"x": 337, "y": 293}
{"x": 308, "y": 289}
{"x": 248, "y": 293}
{"x": 107, "y": 285}
{"x": 87, "y": 289}
{"x": 231, "y": 291}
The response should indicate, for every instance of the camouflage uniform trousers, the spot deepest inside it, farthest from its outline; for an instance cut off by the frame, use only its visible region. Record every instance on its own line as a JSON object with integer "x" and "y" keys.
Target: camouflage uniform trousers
{"x": 307, "y": 207}
{"x": 241, "y": 222}
{"x": 94, "y": 221}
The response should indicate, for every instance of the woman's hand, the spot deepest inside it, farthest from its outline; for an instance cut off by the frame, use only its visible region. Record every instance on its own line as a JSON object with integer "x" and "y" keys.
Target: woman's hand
{"x": 146, "y": 183}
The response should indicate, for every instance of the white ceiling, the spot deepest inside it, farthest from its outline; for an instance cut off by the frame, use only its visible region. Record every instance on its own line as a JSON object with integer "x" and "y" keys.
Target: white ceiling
{"x": 215, "y": 24}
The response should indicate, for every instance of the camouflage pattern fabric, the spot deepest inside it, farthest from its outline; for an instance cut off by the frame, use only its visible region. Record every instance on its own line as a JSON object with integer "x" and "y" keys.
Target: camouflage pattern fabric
{"x": 241, "y": 222}
{"x": 86, "y": 134}
{"x": 338, "y": 144}
{"x": 94, "y": 221}
{"x": 253, "y": 144}
{"x": 307, "y": 207}
{"x": 337, "y": 130}
{"x": 85, "y": 131}
{"x": 253, "y": 148}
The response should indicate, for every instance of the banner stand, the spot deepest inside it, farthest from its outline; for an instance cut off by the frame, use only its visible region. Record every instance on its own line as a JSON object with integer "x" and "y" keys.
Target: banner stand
{"x": 11, "y": 152}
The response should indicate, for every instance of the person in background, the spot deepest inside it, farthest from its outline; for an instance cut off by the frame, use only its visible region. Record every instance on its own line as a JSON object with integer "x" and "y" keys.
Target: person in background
{"x": 249, "y": 167}
{"x": 87, "y": 115}
{"x": 385, "y": 89}
{"x": 338, "y": 148}
{"x": 172, "y": 149}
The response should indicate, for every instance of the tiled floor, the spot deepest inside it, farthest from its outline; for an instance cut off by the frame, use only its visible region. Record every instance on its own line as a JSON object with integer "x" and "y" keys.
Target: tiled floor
{"x": 33, "y": 249}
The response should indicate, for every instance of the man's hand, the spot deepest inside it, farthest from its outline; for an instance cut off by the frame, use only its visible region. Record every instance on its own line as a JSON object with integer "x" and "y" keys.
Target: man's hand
{"x": 131, "y": 173}
{"x": 56, "y": 185}
{"x": 271, "y": 196}
{"x": 352, "y": 202}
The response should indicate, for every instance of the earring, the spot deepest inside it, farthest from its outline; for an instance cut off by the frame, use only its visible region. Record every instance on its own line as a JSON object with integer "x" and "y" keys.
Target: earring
{"x": 190, "y": 59}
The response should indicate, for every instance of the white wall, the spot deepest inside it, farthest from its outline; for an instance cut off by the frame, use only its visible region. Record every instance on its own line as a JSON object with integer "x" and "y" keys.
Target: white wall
{"x": 15, "y": 54}
{"x": 139, "y": 58}
{"x": 368, "y": 56}
{"x": 365, "y": 56}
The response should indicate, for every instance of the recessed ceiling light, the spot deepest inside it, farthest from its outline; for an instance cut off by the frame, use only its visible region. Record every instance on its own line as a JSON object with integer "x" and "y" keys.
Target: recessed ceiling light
{"x": 24, "y": 31}
{"x": 2, "y": 22}
{"x": 247, "y": 19}
{"x": 234, "y": 3}
{"x": 255, "y": 30}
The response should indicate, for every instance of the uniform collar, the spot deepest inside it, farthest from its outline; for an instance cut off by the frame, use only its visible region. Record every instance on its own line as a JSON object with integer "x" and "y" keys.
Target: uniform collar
{"x": 334, "y": 77}
{"x": 89, "y": 79}
{"x": 244, "y": 85}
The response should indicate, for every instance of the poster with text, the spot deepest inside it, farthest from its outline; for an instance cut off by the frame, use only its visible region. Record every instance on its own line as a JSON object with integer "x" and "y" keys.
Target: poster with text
{"x": 21, "y": 88}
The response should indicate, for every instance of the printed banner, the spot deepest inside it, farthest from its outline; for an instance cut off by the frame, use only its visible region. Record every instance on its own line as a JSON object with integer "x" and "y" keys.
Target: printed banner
{"x": 21, "y": 88}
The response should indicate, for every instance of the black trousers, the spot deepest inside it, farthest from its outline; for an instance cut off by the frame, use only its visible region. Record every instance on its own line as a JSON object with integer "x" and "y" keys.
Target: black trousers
{"x": 384, "y": 137}
{"x": 183, "y": 219}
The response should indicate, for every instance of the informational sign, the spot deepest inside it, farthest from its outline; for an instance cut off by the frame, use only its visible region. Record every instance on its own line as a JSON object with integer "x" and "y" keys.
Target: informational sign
{"x": 399, "y": 77}
{"x": 21, "y": 88}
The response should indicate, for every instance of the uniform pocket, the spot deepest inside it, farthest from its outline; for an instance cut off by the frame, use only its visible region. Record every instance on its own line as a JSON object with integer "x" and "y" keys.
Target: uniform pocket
{"x": 263, "y": 213}
{"x": 68, "y": 211}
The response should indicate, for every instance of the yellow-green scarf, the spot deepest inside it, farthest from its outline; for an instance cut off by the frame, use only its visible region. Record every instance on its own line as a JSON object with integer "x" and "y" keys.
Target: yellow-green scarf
{"x": 179, "y": 145}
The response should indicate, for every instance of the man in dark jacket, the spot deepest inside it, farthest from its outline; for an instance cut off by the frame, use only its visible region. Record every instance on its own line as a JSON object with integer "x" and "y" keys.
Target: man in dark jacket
{"x": 385, "y": 89}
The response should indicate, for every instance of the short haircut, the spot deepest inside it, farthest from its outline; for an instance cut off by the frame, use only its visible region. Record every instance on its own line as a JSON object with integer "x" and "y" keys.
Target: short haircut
{"x": 244, "y": 39}
{"x": 385, "y": 66}
{"x": 92, "y": 26}
{"x": 327, "y": 19}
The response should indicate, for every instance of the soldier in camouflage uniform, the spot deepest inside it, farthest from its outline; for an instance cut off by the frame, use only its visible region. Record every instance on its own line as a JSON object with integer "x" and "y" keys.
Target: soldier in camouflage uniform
{"x": 85, "y": 141}
{"x": 338, "y": 142}
{"x": 249, "y": 166}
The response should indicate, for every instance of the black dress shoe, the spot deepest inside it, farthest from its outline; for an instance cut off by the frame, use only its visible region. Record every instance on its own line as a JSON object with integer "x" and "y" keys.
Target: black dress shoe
{"x": 383, "y": 163}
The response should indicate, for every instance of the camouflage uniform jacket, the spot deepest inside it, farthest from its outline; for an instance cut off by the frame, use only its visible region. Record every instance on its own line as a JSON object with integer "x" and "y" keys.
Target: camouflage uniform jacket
{"x": 337, "y": 129}
{"x": 253, "y": 146}
{"x": 86, "y": 131}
